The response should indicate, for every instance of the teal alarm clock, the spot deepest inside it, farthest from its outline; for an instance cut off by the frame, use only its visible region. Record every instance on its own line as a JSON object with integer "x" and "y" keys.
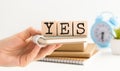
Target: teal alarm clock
{"x": 101, "y": 31}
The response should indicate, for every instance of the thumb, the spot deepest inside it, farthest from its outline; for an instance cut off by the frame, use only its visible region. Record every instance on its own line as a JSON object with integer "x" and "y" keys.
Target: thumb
{"x": 27, "y": 33}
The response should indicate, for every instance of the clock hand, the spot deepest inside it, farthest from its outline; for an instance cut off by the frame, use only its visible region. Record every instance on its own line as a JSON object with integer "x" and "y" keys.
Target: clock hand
{"x": 102, "y": 36}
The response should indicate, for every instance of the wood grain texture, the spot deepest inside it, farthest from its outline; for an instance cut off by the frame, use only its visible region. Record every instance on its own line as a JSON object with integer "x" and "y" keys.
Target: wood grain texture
{"x": 64, "y": 28}
{"x": 80, "y": 28}
{"x": 49, "y": 28}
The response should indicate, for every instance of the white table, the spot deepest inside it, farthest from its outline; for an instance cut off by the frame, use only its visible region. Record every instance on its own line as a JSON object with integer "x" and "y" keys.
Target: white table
{"x": 102, "y": 61}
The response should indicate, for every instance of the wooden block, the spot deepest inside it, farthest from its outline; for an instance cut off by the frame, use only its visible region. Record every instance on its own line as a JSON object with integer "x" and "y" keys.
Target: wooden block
{"x": 64, "y": 28}
{"x": 80, "y": 28}
{"x": 49, "y": 28}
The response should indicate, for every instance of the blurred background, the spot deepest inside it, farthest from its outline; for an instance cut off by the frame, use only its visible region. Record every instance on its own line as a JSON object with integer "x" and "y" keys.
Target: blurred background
{"x": 17, "y": 15}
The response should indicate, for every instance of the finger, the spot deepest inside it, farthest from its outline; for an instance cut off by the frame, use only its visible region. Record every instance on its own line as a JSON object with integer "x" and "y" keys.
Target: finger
{"x": 26, "y": 49}
{"x": 32, "y": 55}
{"x": 58, "y": 46}
{"x": 27, "y": 33}
{"x": 29, "y": 47}
{"x": 43, "y": 52}
{"x": 52, "y": 50}
{"x": 27, "y": 58}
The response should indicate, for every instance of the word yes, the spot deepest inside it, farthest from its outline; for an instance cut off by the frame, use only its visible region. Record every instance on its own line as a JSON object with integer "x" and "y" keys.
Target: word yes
{"x": 75, "y": 28}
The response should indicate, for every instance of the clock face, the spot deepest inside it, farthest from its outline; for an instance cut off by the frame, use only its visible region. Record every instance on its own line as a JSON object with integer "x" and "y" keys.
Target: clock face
{"x": 101, "y": 34}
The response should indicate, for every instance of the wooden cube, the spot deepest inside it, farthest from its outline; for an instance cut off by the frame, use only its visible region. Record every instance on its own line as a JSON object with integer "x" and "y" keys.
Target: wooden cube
{"x": 49, "y": 28}
{"x": 64, "y": 28}
{"x": 80, "y": 28}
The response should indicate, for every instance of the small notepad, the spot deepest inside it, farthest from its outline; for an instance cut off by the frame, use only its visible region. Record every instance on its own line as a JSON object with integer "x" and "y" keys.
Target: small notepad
{"x": 42, "y": 40}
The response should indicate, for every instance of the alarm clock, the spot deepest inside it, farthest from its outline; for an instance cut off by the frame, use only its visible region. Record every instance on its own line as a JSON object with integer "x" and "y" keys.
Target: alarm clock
{"x": 102, "y": 30}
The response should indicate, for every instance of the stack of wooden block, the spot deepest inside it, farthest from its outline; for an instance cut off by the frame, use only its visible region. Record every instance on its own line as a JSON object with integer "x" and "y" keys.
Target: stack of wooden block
{"x": 73, "y": 29}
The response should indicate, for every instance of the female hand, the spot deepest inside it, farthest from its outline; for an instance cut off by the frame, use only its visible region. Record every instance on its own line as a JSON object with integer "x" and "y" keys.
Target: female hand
{"x": 19, "y": 50}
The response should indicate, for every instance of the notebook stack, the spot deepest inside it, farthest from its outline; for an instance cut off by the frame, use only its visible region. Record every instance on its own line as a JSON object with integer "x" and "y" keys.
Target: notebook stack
{"x": 70, "y": 53}
{"x": 75, "y": 53}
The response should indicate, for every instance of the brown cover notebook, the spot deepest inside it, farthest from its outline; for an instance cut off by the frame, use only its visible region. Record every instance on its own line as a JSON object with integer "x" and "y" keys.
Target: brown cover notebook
{"x": 87, "y": 53}
{"x": 73, "y": 47}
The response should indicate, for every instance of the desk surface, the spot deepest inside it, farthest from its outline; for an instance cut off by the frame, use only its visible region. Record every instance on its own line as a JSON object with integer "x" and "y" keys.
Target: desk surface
{"x": 103, "y": 61}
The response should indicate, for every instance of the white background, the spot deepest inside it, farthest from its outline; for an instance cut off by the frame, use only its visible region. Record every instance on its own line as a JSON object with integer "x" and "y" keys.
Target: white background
{"x": 17, "y": 15}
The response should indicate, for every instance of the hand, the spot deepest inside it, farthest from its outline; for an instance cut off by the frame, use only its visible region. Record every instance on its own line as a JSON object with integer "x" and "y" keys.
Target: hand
{"x": 19, "y": 50}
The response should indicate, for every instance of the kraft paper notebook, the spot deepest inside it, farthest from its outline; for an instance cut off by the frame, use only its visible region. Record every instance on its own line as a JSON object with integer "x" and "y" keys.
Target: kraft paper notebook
{"x": 80, "y": 46}
{"x": 70, "y": 60}
{"x": 87, "y": 53}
